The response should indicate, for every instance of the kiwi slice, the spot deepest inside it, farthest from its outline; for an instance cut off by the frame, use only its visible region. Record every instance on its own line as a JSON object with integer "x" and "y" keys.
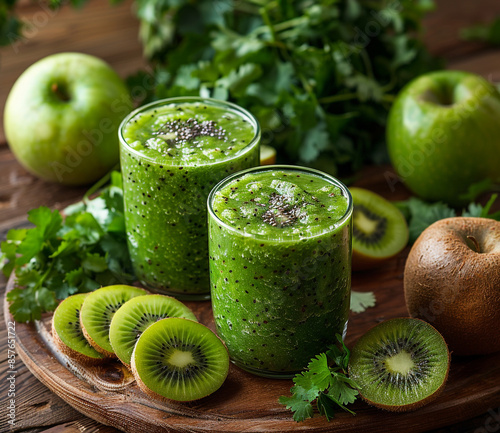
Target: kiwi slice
{"x": 133, "y": 317}
{"x": 68, "y": 335}
{"x": 379, "y": 229}
{"x": 179, "y": 359}
{"x": 97, "y": 311}
{"x": 400, "y": 364}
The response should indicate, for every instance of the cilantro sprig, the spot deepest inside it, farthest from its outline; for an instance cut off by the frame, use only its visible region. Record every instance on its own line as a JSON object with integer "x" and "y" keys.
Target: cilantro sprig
{"x": 421, "y": 214}
{"x": 61, "y": 256}
{"x": 324, "y": 385}
{"x": 317, "y": 78}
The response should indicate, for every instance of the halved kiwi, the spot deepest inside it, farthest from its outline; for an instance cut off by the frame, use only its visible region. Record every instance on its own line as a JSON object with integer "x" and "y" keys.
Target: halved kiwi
{"x": 136, "y": 315}
{"x": 68, "y": 335}
{"x": 97, "y": 311}
{"x": 179, "y": 359}
{"x": 379, "y": 229}
{"x": 400, "y": 364}
{"x": 267, "y": 155}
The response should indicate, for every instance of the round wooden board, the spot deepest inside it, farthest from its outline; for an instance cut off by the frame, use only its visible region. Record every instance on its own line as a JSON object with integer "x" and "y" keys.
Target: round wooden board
{"x": 249, "y": 403}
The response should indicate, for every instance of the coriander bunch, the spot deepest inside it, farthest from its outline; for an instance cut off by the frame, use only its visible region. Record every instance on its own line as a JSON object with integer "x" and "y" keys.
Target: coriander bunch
{"x": 60, "y": 256}
{"x": 324, "y": 384}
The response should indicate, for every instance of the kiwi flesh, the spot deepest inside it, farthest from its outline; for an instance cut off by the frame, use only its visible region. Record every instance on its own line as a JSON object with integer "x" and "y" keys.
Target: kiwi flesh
{"x": 136, "y": 315}
{"x": 400, "y": 365}
{"x": 179, "y": 359}
{"x": 379, "y": 229}
{"x": 97, "y": 311}
{"x": 68, "y": 335}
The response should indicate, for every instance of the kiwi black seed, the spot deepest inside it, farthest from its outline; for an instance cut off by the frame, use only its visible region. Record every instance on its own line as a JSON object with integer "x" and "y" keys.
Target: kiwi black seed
{"x": 179, "y": 359}
{"x": 97, "y": 311}
{"x": 379, "y": 229}
{"x": 136, "y": 315}
{"x": 400, "y": 364}
{"x": 68, "y": 335}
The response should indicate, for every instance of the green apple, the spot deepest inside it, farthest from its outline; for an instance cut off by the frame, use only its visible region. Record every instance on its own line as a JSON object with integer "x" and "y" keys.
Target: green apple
{"x": 62, "y": 115}
{"x": 443, "y": 134}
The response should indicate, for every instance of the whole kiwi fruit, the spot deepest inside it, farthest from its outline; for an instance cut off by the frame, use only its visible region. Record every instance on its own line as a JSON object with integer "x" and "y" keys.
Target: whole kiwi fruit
{"x": 452, "y": 280}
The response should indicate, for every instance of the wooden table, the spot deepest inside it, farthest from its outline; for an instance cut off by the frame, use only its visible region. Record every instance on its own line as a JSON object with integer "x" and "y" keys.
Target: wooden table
{"x": 111, "y": 33}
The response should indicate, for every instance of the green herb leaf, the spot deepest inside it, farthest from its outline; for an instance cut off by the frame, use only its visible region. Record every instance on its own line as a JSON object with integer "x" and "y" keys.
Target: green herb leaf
{"x": 422, "y": 215}
{"x": 298, "y": 404}
{"x": 59, "y": 257}
{"x": 489, "y": 32}
{"x": 324, "y": 385}
{"x": 360, "y": 301}
{"x": 476, "y": 210}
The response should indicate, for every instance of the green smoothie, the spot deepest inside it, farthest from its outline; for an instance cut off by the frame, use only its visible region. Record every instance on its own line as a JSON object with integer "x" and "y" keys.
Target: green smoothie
{"x": 280, "y": 266}
{"x": 172, "y": 153}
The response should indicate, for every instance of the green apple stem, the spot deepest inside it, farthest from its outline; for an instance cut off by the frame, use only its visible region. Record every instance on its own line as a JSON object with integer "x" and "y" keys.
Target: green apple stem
{"x": 60, "y": 92}
{"x": 475, "y": 243}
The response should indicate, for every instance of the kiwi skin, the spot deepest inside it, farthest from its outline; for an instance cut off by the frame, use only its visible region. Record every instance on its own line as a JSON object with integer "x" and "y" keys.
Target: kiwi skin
{"x": 418, "y": 404}
{"x": 81, "y": 358}
{"x": 73, "y": 354}
{"x": 106, "y": 353}
{"x": 362, "y": 261}
{"x": 449, "y": 284}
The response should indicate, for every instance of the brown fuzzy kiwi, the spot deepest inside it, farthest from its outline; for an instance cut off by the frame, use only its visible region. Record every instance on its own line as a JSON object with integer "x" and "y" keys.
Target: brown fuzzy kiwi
{"x": 452, "y": 280}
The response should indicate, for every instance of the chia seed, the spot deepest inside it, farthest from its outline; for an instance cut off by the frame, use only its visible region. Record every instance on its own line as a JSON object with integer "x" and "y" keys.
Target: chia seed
{"x": 178, "y": 132}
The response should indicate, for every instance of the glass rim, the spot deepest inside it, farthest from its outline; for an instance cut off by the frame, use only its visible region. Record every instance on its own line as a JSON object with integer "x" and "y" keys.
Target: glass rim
{"x": 242, "y": 112}
{"x": 261, "y": 168}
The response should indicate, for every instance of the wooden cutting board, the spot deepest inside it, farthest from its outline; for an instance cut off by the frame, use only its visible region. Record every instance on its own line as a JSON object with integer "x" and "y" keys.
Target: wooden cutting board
{"x": 249, "y": 403}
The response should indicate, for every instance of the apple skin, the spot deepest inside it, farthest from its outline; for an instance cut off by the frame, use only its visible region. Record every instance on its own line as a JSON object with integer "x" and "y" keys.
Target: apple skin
{"x": 452, "y": 281}
{"x": 62, "y": 116}
{"x": 443, "y": 134}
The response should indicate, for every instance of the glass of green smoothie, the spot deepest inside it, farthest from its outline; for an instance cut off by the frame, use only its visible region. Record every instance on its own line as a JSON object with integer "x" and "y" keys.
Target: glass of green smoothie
{"x": 172, "y": 153}
{"x": 280, "y": 265}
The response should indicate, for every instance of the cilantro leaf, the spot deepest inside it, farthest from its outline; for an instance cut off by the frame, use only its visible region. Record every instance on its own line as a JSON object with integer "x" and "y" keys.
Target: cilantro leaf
{"x": 319, "y": 368}
{"x": 341, "y": 393}
{"x": 298, "y": 403}
{"x": 58, "y": 257}
{"x": 421, "y": 214}
{"x": 489, "y": 32}
{"x": 360, "y": 301}
{"x": 327, "y": 406}
{"x": 476, "y": 210}
{"x": 324, "y": 385}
